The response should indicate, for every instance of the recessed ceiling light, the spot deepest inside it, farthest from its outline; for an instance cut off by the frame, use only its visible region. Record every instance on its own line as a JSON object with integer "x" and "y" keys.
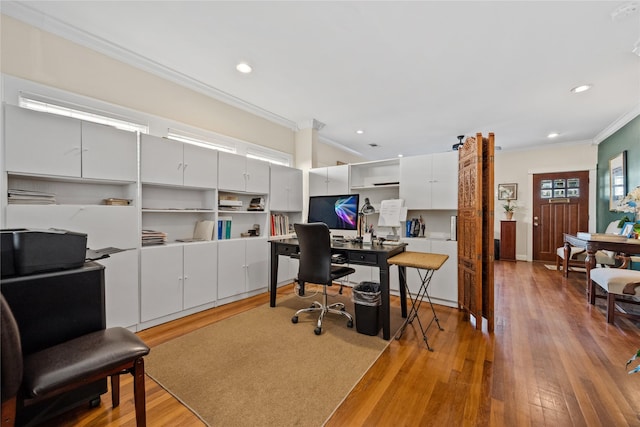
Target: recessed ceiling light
{"x": 581, "y": 88}
{"x": 359, "y": 131}
{"x": 553, "y": 135}
{"x": 399, "y": 155}
{"x": 244, "y": 68}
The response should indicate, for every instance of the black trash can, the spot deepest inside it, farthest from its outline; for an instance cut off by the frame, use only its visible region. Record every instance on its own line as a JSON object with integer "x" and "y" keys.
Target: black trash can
{"x": 366, "y": 299}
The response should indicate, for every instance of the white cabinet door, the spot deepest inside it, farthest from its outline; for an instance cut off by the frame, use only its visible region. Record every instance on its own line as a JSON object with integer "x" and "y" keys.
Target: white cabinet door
{"x": 41, "y": 143}
{"x": 121, "y": 288}
{"x": 257, "y": 177}
{"x": 318, "y": 182}
{"x": 161, "y": 284}
{"x": 415, "y": 181}
{"x": 430, "y": 181}
{"x": 338, "y": 179}
{"x": 257, "y": 262}
{"x": 160, "y": 160}
{"x": 285, "y": 192}
{"x": 444, "y": 181}
{"x": 231, "y": 271}
{"x": 444, "y": 284}
{"x": 200, "y": 166}
{"x": 109, "y": 153}
{"x": 231, "y": 172}
{"x": 331, "y": 180}
{"x": 200, "y": 274}
{"x": 416, "y": 245}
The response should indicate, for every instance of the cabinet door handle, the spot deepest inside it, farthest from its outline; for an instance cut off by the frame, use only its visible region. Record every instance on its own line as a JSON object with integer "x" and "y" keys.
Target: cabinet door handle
{"x": 184, "y": 167}
{"x": 179, "y": 165}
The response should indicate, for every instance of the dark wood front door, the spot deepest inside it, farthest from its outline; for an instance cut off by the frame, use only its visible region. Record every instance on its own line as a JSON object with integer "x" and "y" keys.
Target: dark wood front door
{"x": 560, "y": 205}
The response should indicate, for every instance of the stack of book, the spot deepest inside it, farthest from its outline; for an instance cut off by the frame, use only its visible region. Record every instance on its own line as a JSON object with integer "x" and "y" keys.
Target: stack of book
{"x": 229, "y": 203}
{"x": 30, "y": 197}
{"x": 224, "y": 227}
{"x": 152, "y": 237}
{"x": 256, "y": 204}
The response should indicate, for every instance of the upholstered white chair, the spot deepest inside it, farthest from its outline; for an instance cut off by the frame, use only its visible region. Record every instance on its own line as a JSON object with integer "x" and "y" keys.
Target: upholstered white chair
{"x": 578, "y": 255}
{"x": 617, "y": 282}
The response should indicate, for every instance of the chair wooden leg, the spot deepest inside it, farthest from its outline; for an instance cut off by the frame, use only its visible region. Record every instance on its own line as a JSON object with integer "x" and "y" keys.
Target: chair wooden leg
{"x": 611, "y": 307}
{"x": 592, "y": 292}
{"x": 9, "y": 412}
{"x": 139, "y": 392}
{"x": 115, "y": 390}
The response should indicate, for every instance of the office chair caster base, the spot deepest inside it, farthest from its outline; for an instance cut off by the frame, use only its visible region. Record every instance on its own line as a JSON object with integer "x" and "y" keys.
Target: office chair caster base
{"x": 294, "y": 319}
{"x": 317, "y": 331}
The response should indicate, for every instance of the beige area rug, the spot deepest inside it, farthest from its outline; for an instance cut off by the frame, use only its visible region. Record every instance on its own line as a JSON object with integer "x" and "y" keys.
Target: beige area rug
{"x": 576, "y": 269}
{"x": 259, "y": 369}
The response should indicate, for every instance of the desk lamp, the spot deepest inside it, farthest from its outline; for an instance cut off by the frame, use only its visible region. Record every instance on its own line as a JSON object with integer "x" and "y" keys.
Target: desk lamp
{"x": 367, "y": 209}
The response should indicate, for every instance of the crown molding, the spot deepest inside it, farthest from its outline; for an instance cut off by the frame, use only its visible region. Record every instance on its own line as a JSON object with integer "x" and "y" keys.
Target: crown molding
{"x": 23, "y": 12}
{"x": 617, "y": 125}
{"x": 338, "y": 145}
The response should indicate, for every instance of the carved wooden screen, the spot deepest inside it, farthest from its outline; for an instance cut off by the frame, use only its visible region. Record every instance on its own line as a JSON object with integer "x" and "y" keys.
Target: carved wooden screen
{"x": 475, "y": 228}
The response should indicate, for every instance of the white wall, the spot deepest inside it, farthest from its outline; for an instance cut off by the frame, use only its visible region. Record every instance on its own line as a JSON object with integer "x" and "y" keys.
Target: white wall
{"x": 520, "y": 166}
{"x": 34, "y": 55}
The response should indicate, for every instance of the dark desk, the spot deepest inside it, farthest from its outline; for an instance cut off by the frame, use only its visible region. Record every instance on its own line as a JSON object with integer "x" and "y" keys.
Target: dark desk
{"x": 373, "y": 255}
{"x": 595, "y": 242}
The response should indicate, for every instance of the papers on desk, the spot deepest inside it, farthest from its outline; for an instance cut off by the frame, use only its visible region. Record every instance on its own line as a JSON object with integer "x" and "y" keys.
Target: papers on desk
{"x": 604, "y": 237}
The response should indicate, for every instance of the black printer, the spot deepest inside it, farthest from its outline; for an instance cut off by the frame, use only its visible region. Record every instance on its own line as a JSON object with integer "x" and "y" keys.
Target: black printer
{"x": 28, "y": 251}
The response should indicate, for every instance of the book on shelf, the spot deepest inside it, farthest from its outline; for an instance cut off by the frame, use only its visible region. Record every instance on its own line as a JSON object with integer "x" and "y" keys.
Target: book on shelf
{"x": 114, "y": 201}
{"x": 224, "y": 227}
{"x": 30, "y": 197}
{"x": 279, "y": 224}
{"x": 230, "y": 203}
{"x": 204, "y": 230}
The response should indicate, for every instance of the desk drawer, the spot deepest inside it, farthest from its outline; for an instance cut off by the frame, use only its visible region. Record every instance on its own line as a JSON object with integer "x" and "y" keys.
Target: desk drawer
{"x": 287, "y": 250}
{"x": 365, "y": 258}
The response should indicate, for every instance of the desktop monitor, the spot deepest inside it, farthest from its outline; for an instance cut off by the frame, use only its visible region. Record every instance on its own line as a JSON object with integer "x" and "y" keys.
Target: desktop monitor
{"x": 338, "y": 212}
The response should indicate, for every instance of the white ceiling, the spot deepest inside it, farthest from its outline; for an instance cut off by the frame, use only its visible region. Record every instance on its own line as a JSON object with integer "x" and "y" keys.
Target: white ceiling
{"x": 413, "y": 75}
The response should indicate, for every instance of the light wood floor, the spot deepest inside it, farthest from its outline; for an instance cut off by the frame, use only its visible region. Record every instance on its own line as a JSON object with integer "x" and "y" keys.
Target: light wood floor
{"x": 552, "y": 361}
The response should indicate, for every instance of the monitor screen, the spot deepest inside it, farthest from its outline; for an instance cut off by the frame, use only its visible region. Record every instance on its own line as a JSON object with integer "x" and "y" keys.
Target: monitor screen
{"x": 338, "y": 212}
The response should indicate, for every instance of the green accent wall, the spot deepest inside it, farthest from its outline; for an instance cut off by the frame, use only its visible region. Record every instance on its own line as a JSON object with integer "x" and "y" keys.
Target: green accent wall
{"x": 626, "y": 138}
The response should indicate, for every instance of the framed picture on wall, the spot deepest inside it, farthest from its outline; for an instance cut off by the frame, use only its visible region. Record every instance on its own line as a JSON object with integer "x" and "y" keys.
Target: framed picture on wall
{"x": 617, "y": 180}
{"x": 507, "y": 191}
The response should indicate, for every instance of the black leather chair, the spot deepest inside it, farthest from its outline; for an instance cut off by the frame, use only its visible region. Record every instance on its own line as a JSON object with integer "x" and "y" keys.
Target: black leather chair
{"x": 27, "y": 379}
{"x": 315, "y": 267}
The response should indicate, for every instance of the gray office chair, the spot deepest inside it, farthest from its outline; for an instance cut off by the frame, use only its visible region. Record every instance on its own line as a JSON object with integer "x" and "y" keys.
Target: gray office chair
{"x": 315, "y": 267}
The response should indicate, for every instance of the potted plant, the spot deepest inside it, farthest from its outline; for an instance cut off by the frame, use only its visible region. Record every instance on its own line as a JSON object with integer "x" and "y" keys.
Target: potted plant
{"x": 509, "y": 209}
